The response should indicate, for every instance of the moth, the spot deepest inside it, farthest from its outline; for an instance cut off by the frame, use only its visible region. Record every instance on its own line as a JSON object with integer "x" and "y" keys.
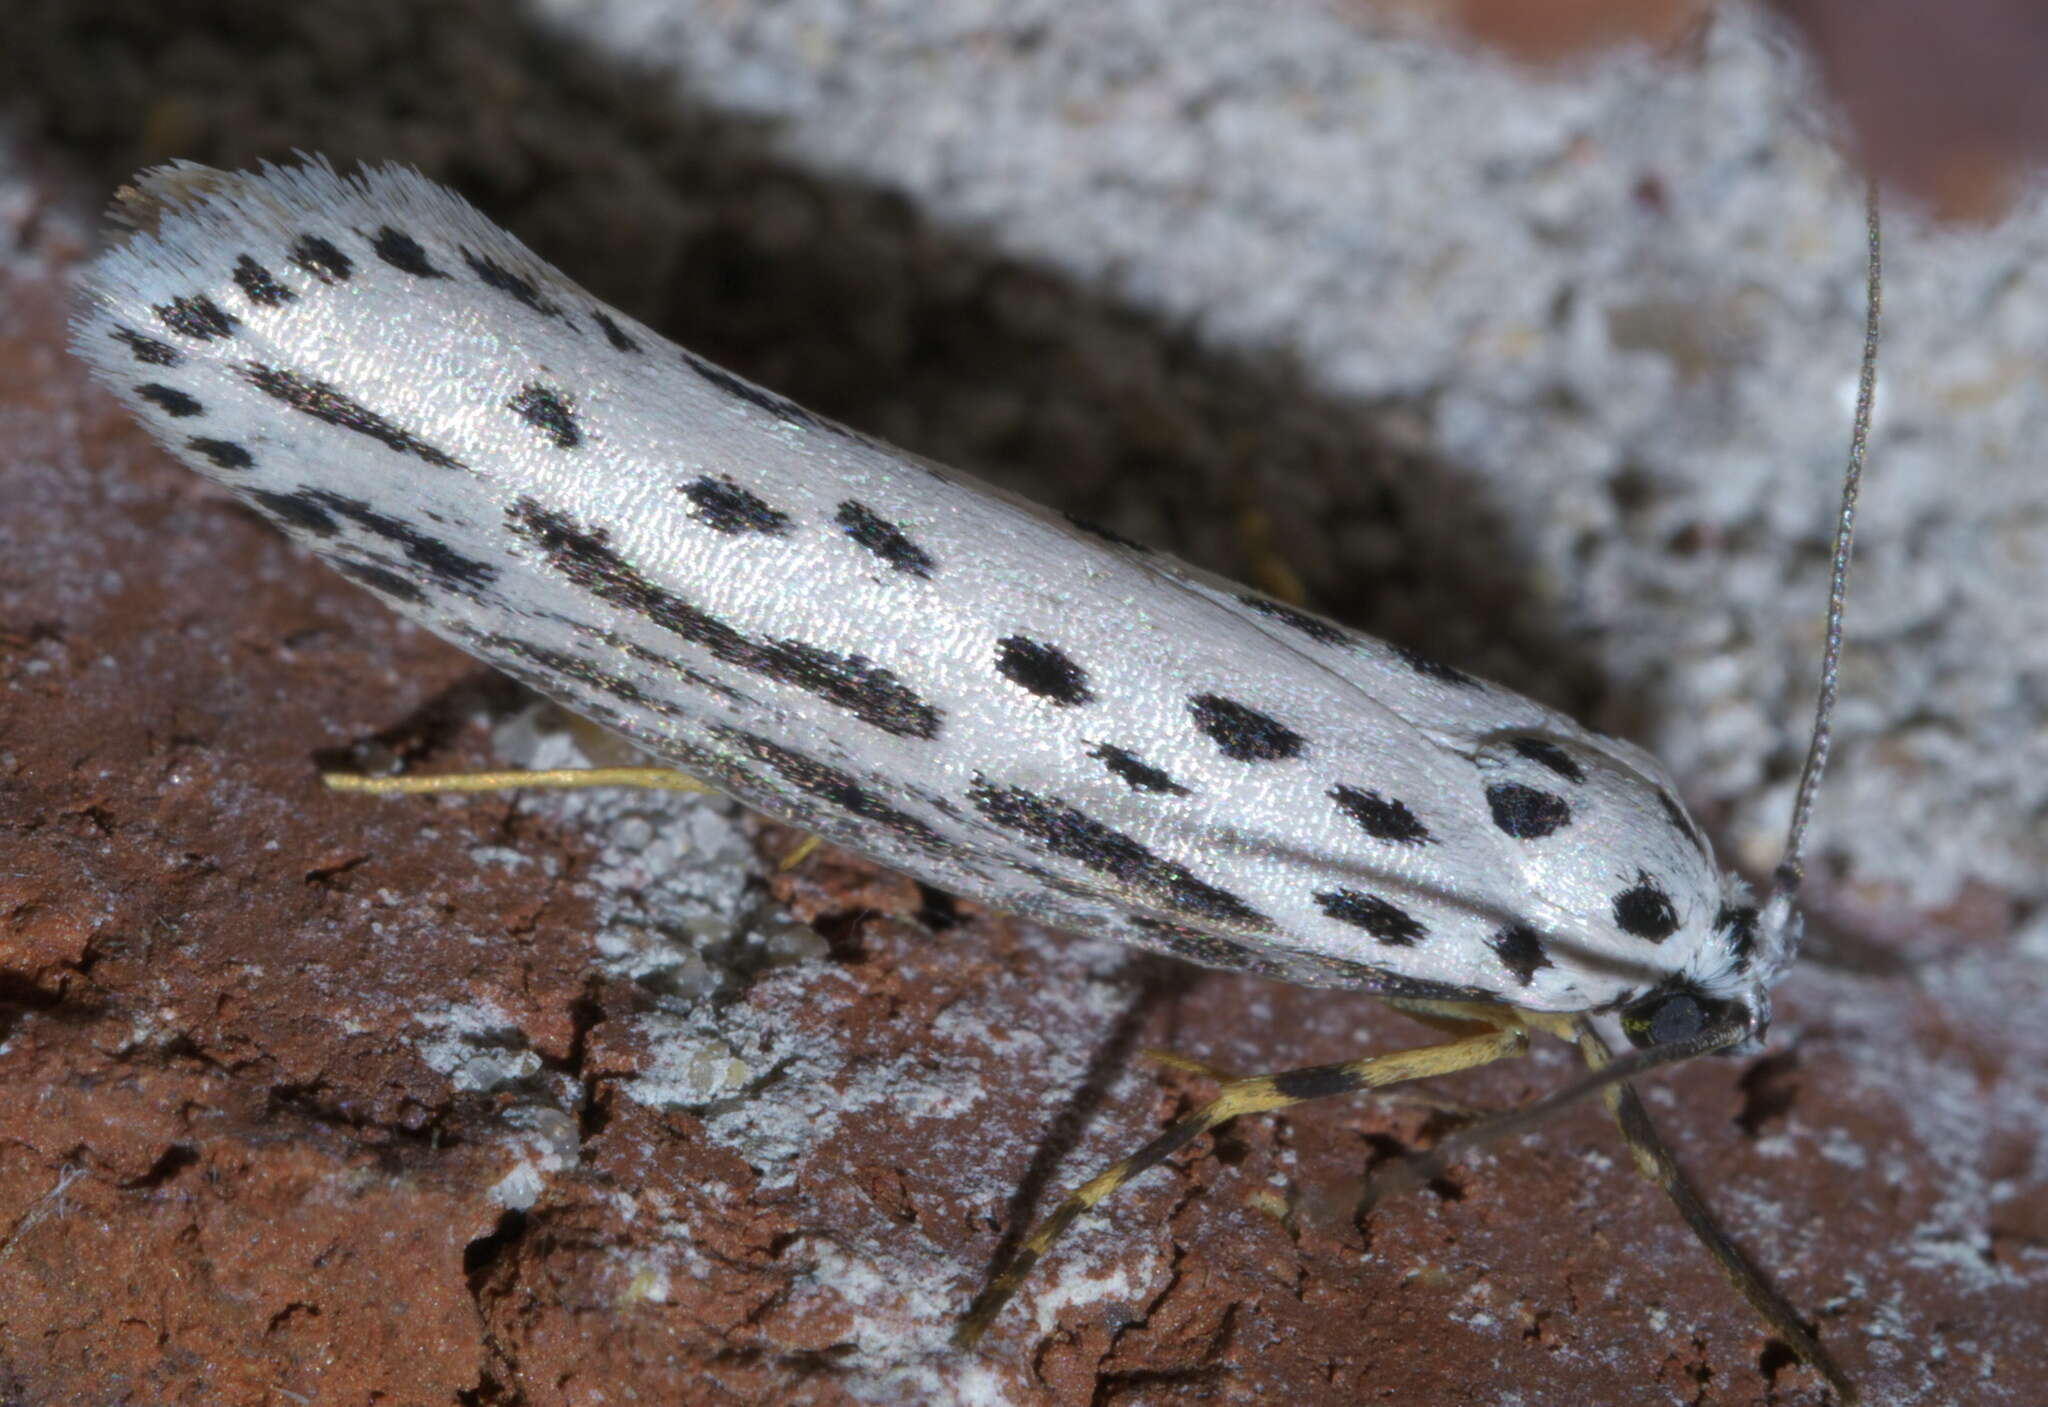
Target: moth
{"x": 1002, "y": 702}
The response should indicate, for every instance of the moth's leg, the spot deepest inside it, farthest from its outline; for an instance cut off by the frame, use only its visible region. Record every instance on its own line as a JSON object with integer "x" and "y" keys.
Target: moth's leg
{"x": 1256, "y": 1094}
{"x": 1653, "y": 1159}
{"x": 1270, "y": 570}
{"x": 1417, "y": 1099}
{"x": 559, "y": 778}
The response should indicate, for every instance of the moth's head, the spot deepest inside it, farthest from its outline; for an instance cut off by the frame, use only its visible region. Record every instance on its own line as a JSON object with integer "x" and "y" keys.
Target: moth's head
{"x": 1680, "y": 1010}
{"x": 1727, "y": 982}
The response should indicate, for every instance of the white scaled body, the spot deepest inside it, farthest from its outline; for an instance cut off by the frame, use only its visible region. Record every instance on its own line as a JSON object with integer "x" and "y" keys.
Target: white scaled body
{"x": 969, "y": 689}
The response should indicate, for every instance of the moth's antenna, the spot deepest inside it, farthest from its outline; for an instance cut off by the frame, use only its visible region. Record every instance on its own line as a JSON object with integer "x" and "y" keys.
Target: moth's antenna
{"x": 1792, "y": 867}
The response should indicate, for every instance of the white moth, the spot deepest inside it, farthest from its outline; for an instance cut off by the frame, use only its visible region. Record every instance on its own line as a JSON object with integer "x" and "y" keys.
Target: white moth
{"x": 1002, "y": 703}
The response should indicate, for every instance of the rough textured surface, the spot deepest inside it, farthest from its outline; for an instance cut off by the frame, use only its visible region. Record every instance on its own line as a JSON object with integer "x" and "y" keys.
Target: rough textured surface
{"x": 307, "y": 1099}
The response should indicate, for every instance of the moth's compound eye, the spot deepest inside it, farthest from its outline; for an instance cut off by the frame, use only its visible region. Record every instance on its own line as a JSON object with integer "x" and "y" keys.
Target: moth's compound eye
{"x": 1676, "y": 1014}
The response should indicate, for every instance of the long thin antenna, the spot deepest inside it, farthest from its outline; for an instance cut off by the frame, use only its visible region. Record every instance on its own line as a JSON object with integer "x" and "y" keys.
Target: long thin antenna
{"x": 1792, "y": 867}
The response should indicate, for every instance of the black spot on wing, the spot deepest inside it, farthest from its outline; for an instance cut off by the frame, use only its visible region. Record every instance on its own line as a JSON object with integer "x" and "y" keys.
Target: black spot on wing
{"x": 550, "y": 412}
{"x": 296, "y": 510}
{"x": 321, "y": 259}
{"x": 779, "y": 406}
{"x": 1110, "y": 535}
{"x": 382, "y": 580}
{"x": 854, "y": 683}
{"x": 1041, "y": 669}
{"x": 258, "y": 286}
{"x": 1645, "y": 911}
{"x": 551, "y": 668}
{"x": 494, "y": 275}
{"x": 1139, "y": 774}
{"x": 1434, "y": 669}
{"x": 169, "y": 399}
{"x": 723, "y": 505}
{"x": 1073, "y": 835}
{"x": 1736, "y": 923}
{"x": 613, "y": 333}
{"x": 403, "y": 253}
{"x": 1314, "y": 627}
{"x": 1381, "y": 817}
{"x": 148, "y": 349}
{"x": 1383, "y": 919}
{"x": 1526, "y": 813}
{"x": 197, "y": 316}
{"x": 1207, "y": 949}
{"x": 324, "y": 403}
{"x": 1365, "y": 977}
{"x": 831, "y": 785}
{"x": 449, "y": 569}
{"x": 1520, "y": 950}
{"x": 885, "y": 539}
{"x": 1545, "y": 753}
{"x": 1681, "y": 822}
{"x": 225, "y": 454}
{"x": 1243, "y": 734}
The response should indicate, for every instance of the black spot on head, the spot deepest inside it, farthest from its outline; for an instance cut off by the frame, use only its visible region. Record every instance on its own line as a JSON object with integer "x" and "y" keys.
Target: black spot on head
{"x": 1545, "y": 753}
{"x": 550, "y": 412}
{"x": 864, "y": 689}
{"x": 883, "y": 538}
{"x": 1314, "y": 627}
{"x": 169, "y": 399}
{"x": 1681, "y": 822}
{"x": 321, "y": 259}
{"x": 1520, "y": 950}
{"x": 148, "y": 349}
{"x": 258, "y": 286}
{"x": 197, "y": 316}
{"x": 1644, "y": 910}
{"x": 1041, "y": 669}
{"x": 1078, "y": 837}
{"x": 296, "y": 510}
{"x": 1526, "y": 813}
{"x": 613, "y": 333}
{"x": 494, "y": 275}
{"x": 1386, "y": 921}
{"x": 1139, "y": 774}
{"x": 379, "y": 579}
{"x": 449, "y": 569}
{"x": 324, "y": 403}
{"x": 403, "y": 253}
{"x": 1434, "y": 669}
{"x": 1110, "y": 535}
{"x": 1381, "y": 817}
{"x": 725, "y": 506}
{"x": 224, "y": 453}
{"x": 1736, "y": 923}
{"x": 1243, "y": 734}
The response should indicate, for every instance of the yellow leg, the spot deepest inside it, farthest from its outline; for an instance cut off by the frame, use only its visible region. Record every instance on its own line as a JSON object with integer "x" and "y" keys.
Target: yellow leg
{"x": 1416, "y": 1099}
{"x": 1256, "y": 1094}
{"x": 562, "y": 778}
{"x": 1270, "y": 570}
{"x": 802, "y": 853}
